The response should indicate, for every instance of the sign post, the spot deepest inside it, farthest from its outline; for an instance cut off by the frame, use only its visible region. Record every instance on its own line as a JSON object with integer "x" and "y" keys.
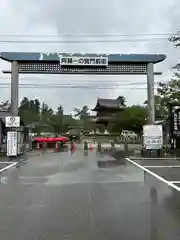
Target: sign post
{"x": 12, "y": 136}
{"x": 12, "y": 144}
{"x": 152, "y": 139}
{"x": 12, "y": 121}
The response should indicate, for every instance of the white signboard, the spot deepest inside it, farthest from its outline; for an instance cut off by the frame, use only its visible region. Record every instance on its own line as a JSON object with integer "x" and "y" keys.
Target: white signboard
{"x": 153, "y": 136}
{"x": 12, "y": 143}
{"x": 83, "y": 61}
{"x": 12, "y": 121}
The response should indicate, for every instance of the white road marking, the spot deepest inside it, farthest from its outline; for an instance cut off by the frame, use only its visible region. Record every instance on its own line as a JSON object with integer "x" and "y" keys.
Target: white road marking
{"x": 117, "y": 181}
{"x": 7, "y": 167}
{"x": 174, "y": 166}
{"x": 159, "y": 158}
{"x": 170, "y": 184}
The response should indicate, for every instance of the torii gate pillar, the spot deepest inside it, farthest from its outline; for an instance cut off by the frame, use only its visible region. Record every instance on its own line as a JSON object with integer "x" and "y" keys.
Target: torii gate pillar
{"x": 14, "y": 87}
{"x": 150, "y": 93}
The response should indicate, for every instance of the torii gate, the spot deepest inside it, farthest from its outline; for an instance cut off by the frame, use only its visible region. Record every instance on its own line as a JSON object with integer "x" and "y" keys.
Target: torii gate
{"x": 65, "y": 63}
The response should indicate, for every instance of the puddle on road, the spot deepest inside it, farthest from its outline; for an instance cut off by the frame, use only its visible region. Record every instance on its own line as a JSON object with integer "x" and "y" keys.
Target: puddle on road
{"x": 86, "y": 177}
{"x": 110, "y": 162}
{"x": 76, "y": 169}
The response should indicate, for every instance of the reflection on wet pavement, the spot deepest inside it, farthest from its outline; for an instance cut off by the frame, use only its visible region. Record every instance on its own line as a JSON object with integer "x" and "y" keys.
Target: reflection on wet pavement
{"x": 70, "y": 196}
{"x": 170, "y": 174}
{"x": 156, "y": 162}
{"x": 167, "y": 198}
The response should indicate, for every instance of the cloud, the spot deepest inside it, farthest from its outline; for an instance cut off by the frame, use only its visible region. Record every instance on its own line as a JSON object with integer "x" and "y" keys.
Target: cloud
{"x": 102, "y": 16}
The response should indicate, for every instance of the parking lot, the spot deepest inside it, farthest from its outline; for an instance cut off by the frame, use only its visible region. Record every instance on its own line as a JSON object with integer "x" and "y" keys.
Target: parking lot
{"x": 166, "y": 170}
{"x": 71, "y": 196}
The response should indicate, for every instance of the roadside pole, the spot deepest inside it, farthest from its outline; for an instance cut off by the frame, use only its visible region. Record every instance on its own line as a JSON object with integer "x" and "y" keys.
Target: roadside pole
{"x": 13, "y": 122}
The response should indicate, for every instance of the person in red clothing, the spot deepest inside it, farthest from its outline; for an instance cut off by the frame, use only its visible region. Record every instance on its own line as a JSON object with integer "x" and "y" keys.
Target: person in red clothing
{"x": 73, "y": 147}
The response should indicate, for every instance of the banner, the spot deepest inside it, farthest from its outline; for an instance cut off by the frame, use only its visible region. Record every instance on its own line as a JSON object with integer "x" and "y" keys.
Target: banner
{"x": 153, "y": 136}
{"x": 12, "y": 143}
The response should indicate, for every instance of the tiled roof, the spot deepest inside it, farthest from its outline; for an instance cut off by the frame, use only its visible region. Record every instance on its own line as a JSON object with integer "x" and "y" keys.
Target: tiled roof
{"x": 114, "y": 104}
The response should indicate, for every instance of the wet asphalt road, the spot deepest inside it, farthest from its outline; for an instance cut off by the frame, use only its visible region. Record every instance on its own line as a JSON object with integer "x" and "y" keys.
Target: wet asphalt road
{"x": 63, "y": 196}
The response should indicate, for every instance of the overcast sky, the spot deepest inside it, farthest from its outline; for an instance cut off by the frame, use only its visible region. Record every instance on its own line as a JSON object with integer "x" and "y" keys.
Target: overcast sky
{"x": 95, "y": 16}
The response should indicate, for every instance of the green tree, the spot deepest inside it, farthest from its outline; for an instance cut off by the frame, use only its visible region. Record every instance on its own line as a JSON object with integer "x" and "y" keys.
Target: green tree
{"x": 131, "y": 118}
{"x": 46, "y": 113}
{"x": 69, "y": 121}
{"x": 37, "y": 106}
{"x": 160, "y": 110}
{"x": 58, "y": 119}
{"x": 41, "y": 117}
{"x": 28, "y": 111}
{"x": 175, "y": 39}
{"x": 167, "y": 93}
{"x": 60, "y": 111}
{"x": 122, "y": 100}
{"x": 25, "y": 103}
{"x": 82, "y": 113}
